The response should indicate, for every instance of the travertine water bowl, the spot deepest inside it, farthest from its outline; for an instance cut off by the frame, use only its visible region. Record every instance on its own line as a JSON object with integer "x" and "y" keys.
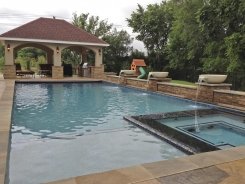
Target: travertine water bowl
{"x": 157, "y": 75}
{"x": 127, "y": 72}
{"x": 212, "y": 78}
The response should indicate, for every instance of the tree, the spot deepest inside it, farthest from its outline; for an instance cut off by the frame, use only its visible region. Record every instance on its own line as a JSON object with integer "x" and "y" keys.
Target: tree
{"x": 153, "y": 26}
{"x": 116, "y": 56}
{"x": 92, "y": 24}
{"x": 222, "y": 22}
{"x": 186, "y": 43}
{"x": 28, "y": 57}
{"x": 1, "y": 57}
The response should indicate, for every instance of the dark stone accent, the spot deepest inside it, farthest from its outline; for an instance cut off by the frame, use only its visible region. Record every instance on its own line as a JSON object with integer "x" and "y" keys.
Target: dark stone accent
{"x": 210, "y": 175}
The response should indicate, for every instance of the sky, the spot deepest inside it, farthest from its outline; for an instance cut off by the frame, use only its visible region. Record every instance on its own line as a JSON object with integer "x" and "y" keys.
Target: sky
{"x": 14, "y": 13}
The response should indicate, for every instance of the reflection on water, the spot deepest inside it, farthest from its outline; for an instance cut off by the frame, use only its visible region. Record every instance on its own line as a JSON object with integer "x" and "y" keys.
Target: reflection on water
{"x": 44, "y": 109}
{"x": 80, "y": 128}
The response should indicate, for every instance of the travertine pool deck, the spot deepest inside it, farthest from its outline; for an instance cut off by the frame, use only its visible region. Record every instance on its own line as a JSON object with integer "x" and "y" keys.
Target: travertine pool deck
{"x": 218, "y": 167}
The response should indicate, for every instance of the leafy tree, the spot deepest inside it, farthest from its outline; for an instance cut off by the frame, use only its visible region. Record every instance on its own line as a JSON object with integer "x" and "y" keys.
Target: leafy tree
{"x": 71, "y": 57}
{"x": 223, "y": 22}
{"x": 116, "y": 56}
{"x": 185, "y": 46}
{"x": 1, "y": 50}
{"x": 1, "y": 57}
{"x": 28, "y": 57}
{"x": 153, "y": 25}
{"x": 91, "y": 24}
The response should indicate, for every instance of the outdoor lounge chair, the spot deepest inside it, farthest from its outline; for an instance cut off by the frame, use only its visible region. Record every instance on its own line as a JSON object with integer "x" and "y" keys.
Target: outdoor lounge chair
{"x": 20, "y": 72}
{"x": 45, "y": 69}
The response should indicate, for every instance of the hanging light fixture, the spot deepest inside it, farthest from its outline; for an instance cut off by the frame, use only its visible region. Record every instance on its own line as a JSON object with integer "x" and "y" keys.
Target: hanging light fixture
{"x": 99, "y": 51}
{"x": 8, "y": 47}
{"x": 57, "y": 50}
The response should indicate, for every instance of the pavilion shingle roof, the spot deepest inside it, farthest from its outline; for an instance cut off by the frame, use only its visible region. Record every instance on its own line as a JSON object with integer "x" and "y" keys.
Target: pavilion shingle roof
{"x": 52, "y": 29}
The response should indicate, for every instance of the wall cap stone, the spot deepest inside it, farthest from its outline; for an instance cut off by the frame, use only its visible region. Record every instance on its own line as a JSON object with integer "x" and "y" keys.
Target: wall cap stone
{"x": 177, "y": 85}
{"x": 136, "y": 79}
{"x": 241, "y": 93}
{"x": 212, "y": 85}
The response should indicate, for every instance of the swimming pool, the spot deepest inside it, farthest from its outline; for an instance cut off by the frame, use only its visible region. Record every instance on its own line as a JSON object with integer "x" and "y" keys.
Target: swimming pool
{"x": 64, "y": 130}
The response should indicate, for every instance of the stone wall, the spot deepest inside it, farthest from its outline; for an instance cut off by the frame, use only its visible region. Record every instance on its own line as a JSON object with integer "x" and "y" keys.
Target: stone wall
{"x": 9, "y": 72}
{"x": 212, "y": 93}
{"x": 206, "y": 91}
{"x": 230, "y": 98}
{"x": 57, "y": 72}
{"x": 139, "y": 83}
{"x": 97, "y": 72}
{"x": 183, "y": 91}
{"x": 112, "y": 78}
{"x": 153, "y": 83}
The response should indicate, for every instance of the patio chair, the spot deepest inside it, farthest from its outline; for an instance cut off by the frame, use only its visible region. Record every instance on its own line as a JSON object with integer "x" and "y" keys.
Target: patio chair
{"x": 20, "y": 72}
{"x": 45, "y": 69}
{"x": 67, "y": 69}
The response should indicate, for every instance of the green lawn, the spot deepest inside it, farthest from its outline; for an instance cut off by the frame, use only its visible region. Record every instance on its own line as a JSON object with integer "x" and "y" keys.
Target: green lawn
{"x": 183, "y": 82}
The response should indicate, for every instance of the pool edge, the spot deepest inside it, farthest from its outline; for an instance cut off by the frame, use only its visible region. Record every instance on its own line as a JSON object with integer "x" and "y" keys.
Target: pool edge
{"x": 6, "y": 104}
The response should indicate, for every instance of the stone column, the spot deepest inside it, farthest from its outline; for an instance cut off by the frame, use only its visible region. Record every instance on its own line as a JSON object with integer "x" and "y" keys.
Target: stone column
{"x": 98, "y": 57}
{"x": 206, "y": 91}
{"x": 97, "y": 72}
{"x": 122, "y": 80}
{"x": 152, "y": 83}
{"x": 9, "y": 71}
{"x": 57, "y": 69}
{"x": 57, "y": 72}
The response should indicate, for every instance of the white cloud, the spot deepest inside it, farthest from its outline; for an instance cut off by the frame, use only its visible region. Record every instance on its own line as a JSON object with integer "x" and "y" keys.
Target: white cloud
{"x": 14, "y": 13}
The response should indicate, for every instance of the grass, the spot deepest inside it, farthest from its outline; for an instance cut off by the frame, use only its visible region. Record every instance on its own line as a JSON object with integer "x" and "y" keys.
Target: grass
{"x": 183, "y": 82}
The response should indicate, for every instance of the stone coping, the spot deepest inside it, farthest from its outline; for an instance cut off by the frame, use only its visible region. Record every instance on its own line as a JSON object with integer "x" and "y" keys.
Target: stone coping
{"x": 6, "y": 103}
{"x": 212, "y": 85}
{"x": 113, "y": 76}
{"x": 177, "y": 85}
{"x": 129, "y": 76}
{"x": 240, "y": 93}
{"x": 136, "y": 79}
{"x": 160, "y": 79}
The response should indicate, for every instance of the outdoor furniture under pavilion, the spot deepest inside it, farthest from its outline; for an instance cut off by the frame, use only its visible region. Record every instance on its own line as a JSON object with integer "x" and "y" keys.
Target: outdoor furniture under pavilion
{"x": 20, "y": 72}
{"x": 45, "y": 70}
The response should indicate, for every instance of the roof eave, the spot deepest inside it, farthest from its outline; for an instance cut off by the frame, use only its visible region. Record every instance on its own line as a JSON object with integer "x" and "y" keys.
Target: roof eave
{"x": 54, "y": 41}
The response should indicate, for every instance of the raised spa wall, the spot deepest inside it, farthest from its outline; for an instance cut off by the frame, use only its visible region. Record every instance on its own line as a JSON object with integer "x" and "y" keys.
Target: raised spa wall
{"x": 219, "y": 94}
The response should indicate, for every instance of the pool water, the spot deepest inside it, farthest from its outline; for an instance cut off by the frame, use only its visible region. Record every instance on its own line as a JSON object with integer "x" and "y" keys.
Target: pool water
{"x": 222, "y": 129}
{"x": 219, "y": 133}
{"x": 65, "y": 130}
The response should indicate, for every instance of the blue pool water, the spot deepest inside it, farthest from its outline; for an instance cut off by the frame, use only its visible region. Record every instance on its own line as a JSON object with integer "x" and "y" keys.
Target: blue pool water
{"x": 65, "y": 130}
{"x": 221, "y": 134}
{"x": 224, "y": 130}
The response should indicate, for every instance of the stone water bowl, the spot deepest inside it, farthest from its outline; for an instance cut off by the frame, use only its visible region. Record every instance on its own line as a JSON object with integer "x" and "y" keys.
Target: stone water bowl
{"x": 212, "y": 78}
{"x": 127, "y": 72}
{"x": 157, "y": 75}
